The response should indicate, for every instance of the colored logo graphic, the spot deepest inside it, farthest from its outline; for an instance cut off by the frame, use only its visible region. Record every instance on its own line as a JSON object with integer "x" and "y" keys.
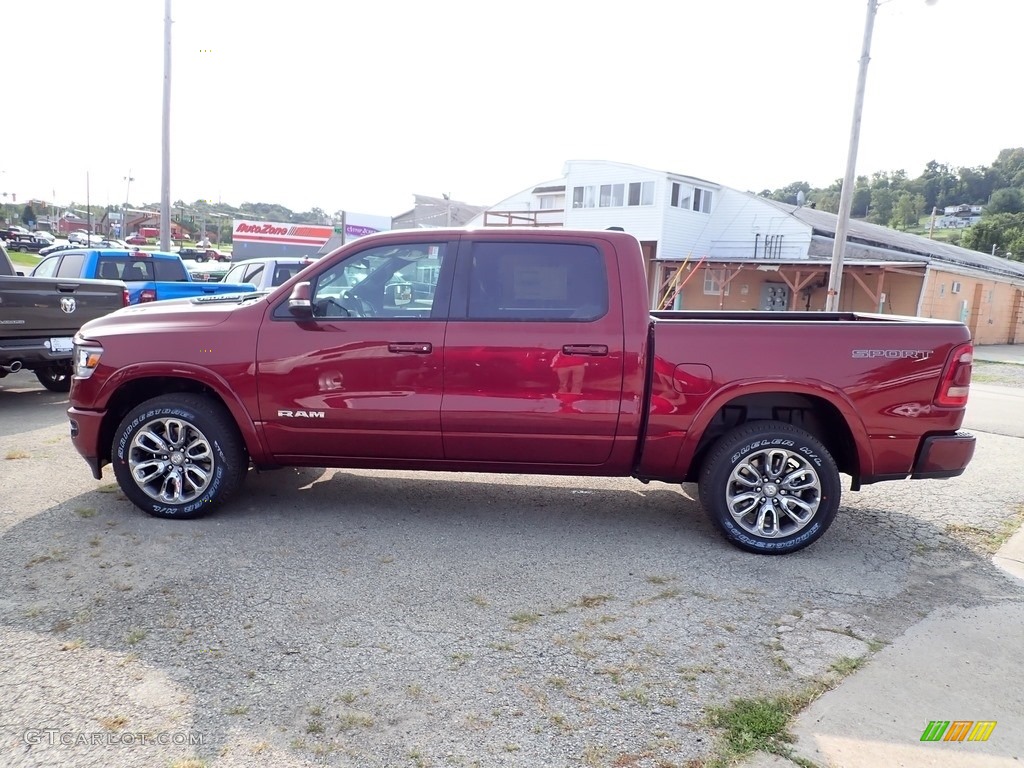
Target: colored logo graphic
{"x": 958, "y": 730}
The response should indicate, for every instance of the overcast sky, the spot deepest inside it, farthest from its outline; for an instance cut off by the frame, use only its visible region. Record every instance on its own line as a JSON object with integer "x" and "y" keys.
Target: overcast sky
{"x": 360, "y": 104}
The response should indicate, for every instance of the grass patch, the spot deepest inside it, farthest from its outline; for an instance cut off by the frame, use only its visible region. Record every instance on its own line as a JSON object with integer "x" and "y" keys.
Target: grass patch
{"x": 237, "y": 709}
{"x": 594, "y": 601}
{"x": 190, "y": 762}
{"x": 479, "y": 601}
{"x": 847, "y": 665}
{"x": 988, "y": 540}
{"x": 135, "y": 636}
{"x": 756, "y": 725}
{"x": 85, "y": 512}
{"x": 350, "y": 721}
{"x": 14, "y": 455}
{"x": 314, "y": 726}
{"x": 524, "y": 618}
{"x": 108, "y": 488}
{"x": 54, "y": 555}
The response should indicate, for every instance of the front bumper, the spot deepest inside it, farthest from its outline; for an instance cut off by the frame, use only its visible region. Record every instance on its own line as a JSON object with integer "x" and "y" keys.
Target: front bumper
{"x": 943, "y": 456}
{"x": 86, "y": 429}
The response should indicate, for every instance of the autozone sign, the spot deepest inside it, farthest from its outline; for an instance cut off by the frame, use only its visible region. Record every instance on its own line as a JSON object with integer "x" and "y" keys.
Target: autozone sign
{"x": 280, "y": 232}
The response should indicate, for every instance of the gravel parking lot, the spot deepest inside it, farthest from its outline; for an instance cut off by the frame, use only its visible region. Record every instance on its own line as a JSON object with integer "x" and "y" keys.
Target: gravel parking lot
{"x": 358, "y": 618}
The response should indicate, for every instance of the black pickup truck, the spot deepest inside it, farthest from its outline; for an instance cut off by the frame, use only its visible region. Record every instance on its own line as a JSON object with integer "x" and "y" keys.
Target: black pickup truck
{"x": 40, "y": 315}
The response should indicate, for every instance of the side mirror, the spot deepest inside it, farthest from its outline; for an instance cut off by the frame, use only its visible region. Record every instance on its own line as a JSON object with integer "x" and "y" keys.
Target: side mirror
{"x": 299, "y": 302}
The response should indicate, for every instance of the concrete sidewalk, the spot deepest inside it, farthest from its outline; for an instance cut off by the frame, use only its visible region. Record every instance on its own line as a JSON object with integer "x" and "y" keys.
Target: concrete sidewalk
{"x": 957, "y": 664}
{"x": 1000, "y": 353}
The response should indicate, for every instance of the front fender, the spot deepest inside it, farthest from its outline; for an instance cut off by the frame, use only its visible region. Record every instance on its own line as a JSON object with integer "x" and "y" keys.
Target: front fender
{"x": 139, "y": 373}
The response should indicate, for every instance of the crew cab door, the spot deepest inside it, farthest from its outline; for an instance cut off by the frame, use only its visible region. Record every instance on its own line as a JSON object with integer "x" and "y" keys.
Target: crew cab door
{"x": 362, "y": 377}
{"x": 534, "y": 353}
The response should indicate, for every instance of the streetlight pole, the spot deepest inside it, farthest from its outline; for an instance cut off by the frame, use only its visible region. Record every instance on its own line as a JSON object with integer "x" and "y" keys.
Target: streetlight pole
{"x": 835, "y": 275}
{"x": 127, "y": 193}
{"x": 165, "y": 181}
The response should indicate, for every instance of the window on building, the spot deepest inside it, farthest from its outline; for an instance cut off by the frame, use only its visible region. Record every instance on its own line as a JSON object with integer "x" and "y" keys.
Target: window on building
{"x": 702, "y": 200}
{"x": 612, "y": 195}
{"x": 691, "y": 198}
{"x": 547, "y": 202}
{"x": 577, "y": 197}
{"x": 641, "y": 193}
{"x": 713, "y": 281}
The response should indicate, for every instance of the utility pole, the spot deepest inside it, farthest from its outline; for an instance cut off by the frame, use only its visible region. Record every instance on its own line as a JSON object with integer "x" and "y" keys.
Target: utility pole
{"x": 165, "y": 176}
{"x": 835, "y": 275}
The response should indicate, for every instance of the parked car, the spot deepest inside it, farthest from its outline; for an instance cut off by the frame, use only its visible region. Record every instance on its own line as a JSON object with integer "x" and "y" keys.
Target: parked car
{"x": 13, "y": 231}
{"x": 203, "y": 254}
{"x": 137, "y": 239}
{"x": 267, "y": 273}
{"x": 84, "y": 238}
{"x": 57, "y": 246}
{"x": 27, "y": 243}
{"x": 536, "y": 352}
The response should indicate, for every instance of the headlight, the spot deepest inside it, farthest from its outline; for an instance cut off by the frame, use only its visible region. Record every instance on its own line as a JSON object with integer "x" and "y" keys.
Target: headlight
{"x": 86, "y": 360}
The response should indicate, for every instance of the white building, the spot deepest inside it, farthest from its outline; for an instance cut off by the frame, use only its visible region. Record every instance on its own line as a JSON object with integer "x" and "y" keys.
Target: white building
{"x": 748, "y": 252}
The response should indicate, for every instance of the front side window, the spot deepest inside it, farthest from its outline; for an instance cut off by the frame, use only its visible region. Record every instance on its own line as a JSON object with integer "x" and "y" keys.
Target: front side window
{"x": 537, "y": 281}
{"x": 47, "y": 267}
{"x": 389, "y": 282}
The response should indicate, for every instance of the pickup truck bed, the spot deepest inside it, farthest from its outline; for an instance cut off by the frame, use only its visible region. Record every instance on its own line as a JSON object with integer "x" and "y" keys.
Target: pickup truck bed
{"x": 526, "y": 351}
{"x": 40, "y": 316}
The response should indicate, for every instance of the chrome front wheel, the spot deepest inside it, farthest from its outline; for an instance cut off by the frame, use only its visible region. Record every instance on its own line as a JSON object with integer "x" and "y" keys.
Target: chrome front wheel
{"x": 171, "y": 461}
{"x": 178, "y": 456}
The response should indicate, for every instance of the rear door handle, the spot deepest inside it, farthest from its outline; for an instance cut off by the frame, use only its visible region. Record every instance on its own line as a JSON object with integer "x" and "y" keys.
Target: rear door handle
{"x": 594, "y": 350}
{"x": 68, "y": 287}
{"x": 419, "y": 347}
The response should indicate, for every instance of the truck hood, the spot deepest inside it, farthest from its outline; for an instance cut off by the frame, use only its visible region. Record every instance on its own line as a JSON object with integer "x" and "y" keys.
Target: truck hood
{"x": 173, "y": 314}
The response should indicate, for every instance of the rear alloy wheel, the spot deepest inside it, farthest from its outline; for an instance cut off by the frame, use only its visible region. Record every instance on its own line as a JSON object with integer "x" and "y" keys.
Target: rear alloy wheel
{"x": 55, "y": 378}
{"x": 770, "y": 487}
{"x": 199, "y": 258}
{"x": 178, "y": 456}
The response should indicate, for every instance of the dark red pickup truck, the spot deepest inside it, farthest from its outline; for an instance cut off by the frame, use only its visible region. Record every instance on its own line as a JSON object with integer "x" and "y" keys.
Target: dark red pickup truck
{"x": 525, "y": 351}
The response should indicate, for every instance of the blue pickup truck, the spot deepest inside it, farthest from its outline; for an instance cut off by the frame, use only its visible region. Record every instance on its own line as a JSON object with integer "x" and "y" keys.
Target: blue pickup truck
{"x": 149, "y": 275}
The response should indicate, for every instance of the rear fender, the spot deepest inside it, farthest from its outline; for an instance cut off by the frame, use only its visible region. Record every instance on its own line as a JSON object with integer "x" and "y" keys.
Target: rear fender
{"x": 818, "y": 389}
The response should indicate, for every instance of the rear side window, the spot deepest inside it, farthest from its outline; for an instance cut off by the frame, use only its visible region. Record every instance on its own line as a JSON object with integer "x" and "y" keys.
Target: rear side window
{"x": 71, "y": 265}
{"x": 170, "y": 271}
{"x": 537, "y": 281}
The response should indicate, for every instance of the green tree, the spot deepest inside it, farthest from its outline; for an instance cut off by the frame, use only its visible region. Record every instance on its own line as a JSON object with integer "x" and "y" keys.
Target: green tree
{"x": 1004, "y": 231}
{"x": 1006, "y": 200}
{"x": 907, "y": 210}
{"x": 881, "y": 205}
{"x": 28, "y": 217}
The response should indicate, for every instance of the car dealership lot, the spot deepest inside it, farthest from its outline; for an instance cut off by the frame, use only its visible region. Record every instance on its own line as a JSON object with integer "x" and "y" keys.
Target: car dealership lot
{"x": 405, "y": 618}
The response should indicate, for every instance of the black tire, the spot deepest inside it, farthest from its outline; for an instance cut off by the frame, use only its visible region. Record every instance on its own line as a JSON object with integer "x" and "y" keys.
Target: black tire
{"x": 55, "y": 378}
{"x": 199, "y": 258}
{"x": 180, "y": 484}
{"x": 22, "y": 249}
{"x": 801, "y": 508}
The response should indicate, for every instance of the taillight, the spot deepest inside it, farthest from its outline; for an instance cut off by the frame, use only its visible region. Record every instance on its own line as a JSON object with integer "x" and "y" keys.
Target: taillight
{"x": 126, "y": 298}
{"x": 148, "y": 294}
{"x": 956, "y": 378}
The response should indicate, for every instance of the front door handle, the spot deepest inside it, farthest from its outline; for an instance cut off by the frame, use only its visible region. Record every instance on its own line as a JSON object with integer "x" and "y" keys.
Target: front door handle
{"x": 594, "y": 350}
{"x": 419, "y": 347}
